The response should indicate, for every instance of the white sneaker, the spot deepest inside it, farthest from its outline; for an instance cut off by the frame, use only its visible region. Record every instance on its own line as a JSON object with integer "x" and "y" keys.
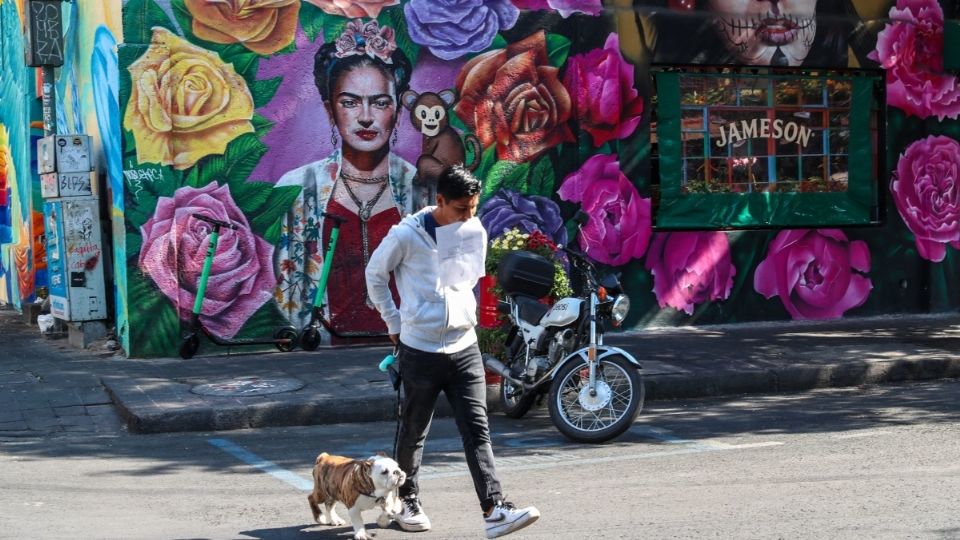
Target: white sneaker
{"x": 412, "y": 519}
{"x": 505, "y": 518}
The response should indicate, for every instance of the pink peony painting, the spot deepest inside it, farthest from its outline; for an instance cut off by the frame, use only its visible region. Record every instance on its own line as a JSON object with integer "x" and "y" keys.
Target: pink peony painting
{"x": 817, "y": 273}
{"x": 605, "y": 103}
{"x": 619, "y": 225}
{"x": 175, "y": 244}
{"x": 690, "y": 268}
{"x": 927, "y": 194}
{"x": 911, "y": 50}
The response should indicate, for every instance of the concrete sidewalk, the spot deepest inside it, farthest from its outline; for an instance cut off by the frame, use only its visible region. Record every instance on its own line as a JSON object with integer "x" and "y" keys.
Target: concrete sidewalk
{"x": 42, "y": 379}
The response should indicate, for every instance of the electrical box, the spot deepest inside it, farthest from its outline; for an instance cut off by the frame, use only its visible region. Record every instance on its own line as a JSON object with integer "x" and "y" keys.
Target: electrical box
{"x": 63, "y": 154}
{"x": 75, "y": 259}
{"x": 73, "y": 184}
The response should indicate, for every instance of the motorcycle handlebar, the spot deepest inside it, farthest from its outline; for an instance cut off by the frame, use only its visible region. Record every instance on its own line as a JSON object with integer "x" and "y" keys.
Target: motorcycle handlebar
{"x": 215, "y": 222}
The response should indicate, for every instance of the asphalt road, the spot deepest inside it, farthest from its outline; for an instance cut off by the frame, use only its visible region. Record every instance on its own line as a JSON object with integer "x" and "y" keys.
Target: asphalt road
{"x": 873, "y": 462}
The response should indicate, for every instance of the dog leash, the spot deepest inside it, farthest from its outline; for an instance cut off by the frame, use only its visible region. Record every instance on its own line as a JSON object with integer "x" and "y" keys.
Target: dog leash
{"x": 396, "y": 376}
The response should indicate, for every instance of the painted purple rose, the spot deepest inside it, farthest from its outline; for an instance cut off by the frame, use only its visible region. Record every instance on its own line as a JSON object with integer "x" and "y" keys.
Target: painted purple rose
{"x": 619, "y": 227}
{"x": 453, "y": 28}
{"x": 508, "y": 209}
{"x": 690, "y": 268}
{"x": 565, "y": 7}
{"x": 817, "y": 273}
{"x": 926, "y": 189}
{"x": 911, "y": 50}
{"x": 600, "y": 83}
{"x": 175, "y": 244}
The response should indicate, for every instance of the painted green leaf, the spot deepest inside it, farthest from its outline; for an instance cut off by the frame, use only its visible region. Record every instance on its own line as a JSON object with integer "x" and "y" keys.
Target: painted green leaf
{"x": 496, "y": 178}
{"x": 542, "y": 178}
{"x": 263, "y": 91}
{"x": 487, "y": 160}
{"x": 313, "y": 20}
{"x": 558, "y": 47}
{"x": 261, "y": 126}
{"x": 134, "y": 241}
{"x": 162, "y": 336}
{"x": 264, "y": 322}
{"x": 250, "y": 196}
{"x": 265, "y": 222}
{"x": 333, "y": 27}
{"x": 394, "y": 18}
{"x": 517, "y": 179}
{"x": 241, "y": 157}
{"x": 139, "y": 17}
{"x": 499, "y": 42}
{"x": 192, "y": 178}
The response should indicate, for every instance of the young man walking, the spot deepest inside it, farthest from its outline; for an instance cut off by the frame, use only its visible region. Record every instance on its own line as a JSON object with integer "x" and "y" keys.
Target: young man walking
{"x": 434, "y": 329}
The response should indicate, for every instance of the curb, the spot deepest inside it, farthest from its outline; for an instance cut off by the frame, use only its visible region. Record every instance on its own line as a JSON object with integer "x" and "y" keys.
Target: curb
{"x": 183, "y": 411}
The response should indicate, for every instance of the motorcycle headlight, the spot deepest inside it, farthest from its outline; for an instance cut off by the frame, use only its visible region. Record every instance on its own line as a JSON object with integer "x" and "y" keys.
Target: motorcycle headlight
{"x": 621, "y": 306}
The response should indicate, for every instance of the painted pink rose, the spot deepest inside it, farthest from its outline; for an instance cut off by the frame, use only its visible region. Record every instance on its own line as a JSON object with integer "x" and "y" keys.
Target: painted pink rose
{"x": 175, "y": 244}
{"x": 690, "y": 268}
{"x": 911, "y": 50}
{"x": 600, "y": 83}
{"x": 926, "y": 190}
{"x": 354, "y": 8}
{"x": 619, "y": 227}
{"x": 817, "y": 273}
{"x": 565, "y": 7}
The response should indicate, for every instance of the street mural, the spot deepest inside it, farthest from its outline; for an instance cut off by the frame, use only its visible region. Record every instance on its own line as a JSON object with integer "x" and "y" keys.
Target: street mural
{"x": 22, "y": 260}
{"x": 23, "y": 274}
{"x": 269, "y": 114}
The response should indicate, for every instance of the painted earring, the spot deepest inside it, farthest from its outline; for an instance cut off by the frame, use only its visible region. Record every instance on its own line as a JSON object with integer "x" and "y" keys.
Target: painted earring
{"x": 393, "y": 142}
{"x": 334, "y": 140}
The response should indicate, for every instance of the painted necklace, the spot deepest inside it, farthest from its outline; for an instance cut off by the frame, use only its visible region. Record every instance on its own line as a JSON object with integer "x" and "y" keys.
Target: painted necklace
{"x": 364, "y": 211}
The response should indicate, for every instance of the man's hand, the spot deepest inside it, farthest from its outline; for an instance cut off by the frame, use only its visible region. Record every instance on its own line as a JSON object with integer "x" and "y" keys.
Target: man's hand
{"x": 395, "y": 338}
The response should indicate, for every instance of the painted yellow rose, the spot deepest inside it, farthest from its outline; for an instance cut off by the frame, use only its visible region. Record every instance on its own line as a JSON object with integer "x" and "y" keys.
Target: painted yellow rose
{"x": 185, "y": 103}
{"x": 263, "y": 26}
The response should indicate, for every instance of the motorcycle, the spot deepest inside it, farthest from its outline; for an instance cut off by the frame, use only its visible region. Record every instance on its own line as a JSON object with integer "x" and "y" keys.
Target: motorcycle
{"x": 595, "y": 391}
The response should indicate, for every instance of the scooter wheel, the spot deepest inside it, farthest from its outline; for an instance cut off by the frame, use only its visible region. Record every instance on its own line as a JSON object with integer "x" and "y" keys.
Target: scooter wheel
{"x": 290, "y": 338}
{"x": 189, "y": 346}
{"x": 310, "y": 338}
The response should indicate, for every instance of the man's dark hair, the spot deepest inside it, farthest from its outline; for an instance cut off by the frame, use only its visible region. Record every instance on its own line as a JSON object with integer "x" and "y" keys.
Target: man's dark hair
{"x": 457, "y": 182}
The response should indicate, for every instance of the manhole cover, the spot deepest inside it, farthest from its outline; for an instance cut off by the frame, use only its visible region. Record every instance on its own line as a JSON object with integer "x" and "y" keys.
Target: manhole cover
{"x": 248, "y": 386}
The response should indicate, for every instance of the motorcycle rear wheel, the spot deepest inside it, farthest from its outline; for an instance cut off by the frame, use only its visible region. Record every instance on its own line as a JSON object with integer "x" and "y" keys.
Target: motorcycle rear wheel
{"x": 514, "y": 406}
{"x": 596, "y": 419}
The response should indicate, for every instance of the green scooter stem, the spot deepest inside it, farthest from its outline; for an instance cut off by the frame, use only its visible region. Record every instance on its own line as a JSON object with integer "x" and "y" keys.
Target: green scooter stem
{"x": 205, "y": 273}
{"x": 327, "y": 264}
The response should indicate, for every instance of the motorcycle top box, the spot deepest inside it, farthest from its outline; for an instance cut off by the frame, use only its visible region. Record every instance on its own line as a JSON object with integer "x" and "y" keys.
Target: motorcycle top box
{"x": 523, "y": 272}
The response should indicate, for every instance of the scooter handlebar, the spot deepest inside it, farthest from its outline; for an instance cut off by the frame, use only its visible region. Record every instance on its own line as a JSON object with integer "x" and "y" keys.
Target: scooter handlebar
{"x": 337, "y": 220}
{"x": 216, "y": 222}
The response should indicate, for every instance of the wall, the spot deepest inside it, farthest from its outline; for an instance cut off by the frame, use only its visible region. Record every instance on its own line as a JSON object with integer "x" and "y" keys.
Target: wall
{"x": 224, "y": 116}
{"x": 21, "y": 253}
{"x": 87, "y": 102}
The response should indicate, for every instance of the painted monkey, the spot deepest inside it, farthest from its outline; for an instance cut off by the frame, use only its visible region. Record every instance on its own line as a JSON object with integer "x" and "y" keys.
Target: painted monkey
{"x": 441, "y": 146}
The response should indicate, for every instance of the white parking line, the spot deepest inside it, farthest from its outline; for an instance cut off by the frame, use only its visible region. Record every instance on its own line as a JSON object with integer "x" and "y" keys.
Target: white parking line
{"x": 269, "y": 467}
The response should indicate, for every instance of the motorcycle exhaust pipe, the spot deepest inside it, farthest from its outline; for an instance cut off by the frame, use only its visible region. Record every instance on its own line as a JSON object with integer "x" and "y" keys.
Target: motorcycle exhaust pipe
{"x": 490, "y": 362}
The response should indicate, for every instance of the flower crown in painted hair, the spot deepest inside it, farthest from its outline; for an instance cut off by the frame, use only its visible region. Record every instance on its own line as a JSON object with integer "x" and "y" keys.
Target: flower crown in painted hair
{"x": 369, "y": 39}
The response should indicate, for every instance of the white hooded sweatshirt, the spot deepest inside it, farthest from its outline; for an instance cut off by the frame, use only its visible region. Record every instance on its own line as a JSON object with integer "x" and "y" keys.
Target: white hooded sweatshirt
{"x": 431, "y": 318}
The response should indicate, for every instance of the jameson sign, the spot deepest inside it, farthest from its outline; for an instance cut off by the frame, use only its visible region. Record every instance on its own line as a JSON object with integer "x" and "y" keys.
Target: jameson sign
{"x": 764, "y": 128}
{"x": 43, "y": 33}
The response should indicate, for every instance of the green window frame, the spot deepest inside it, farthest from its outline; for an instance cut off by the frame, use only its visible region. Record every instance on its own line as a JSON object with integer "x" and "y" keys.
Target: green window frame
{"x": 722, "y": 167}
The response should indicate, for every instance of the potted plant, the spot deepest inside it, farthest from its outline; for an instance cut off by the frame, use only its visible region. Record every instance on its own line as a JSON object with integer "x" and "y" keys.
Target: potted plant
{"x": 490, "y": 333}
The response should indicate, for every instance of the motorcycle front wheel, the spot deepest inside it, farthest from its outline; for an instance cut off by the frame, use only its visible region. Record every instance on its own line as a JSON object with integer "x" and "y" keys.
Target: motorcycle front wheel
{"x": 513, "y": 403}
{"x": 599, "y": 418}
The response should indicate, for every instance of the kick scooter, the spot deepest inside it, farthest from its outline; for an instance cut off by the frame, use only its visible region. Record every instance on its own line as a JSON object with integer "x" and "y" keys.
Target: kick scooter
{"x": 284, "y": 338}
{"x": 310, "y": 336}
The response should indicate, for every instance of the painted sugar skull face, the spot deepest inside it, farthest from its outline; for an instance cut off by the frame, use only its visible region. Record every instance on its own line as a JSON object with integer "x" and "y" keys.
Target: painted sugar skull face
{"x": 766, "y": 32}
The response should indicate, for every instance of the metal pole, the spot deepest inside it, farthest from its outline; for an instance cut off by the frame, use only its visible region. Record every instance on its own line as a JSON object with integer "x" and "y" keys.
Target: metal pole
{"x": 49, "y": 101}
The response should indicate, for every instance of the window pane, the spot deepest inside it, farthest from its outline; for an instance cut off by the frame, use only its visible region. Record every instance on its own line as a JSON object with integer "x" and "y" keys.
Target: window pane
{"x": 812, "y": 91}
{"x": 787, "y": 92}
{"x": 838, "y": 93}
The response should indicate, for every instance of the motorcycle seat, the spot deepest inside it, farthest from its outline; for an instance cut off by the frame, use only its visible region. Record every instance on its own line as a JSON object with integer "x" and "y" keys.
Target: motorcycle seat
{"x": 531, "y": 310}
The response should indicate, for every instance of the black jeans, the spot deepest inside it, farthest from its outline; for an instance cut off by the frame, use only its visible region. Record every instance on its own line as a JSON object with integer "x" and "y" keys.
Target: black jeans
{"x": 461, "y": 377}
